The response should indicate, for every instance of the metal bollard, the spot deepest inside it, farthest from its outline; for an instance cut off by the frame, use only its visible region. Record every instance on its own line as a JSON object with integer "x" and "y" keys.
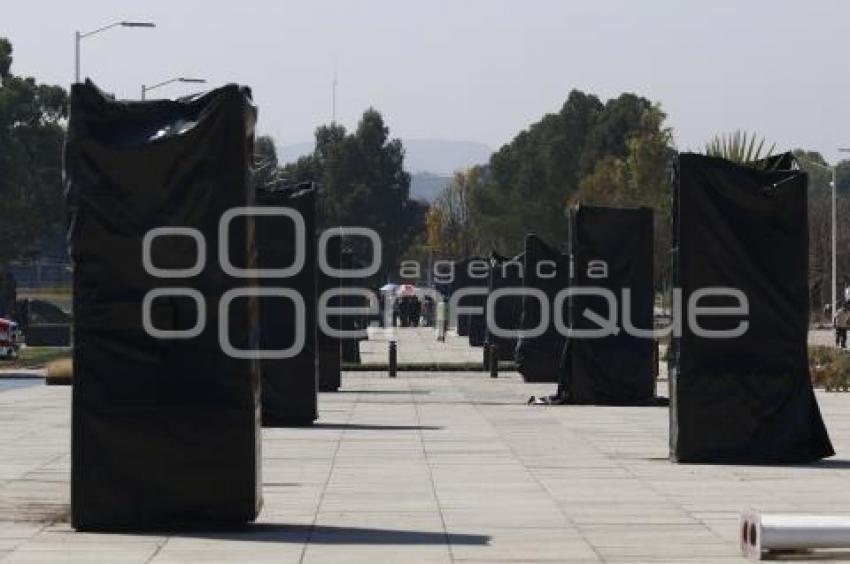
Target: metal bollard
{"x": 486, "y": 357}
{"x": 393, "y": 359}
{"x": 494, "y": 362}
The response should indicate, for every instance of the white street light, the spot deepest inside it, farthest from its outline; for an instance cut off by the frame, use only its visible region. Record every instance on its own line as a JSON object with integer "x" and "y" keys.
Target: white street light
{"x": 146, "y": 89}
{"x": 79, "y": 36}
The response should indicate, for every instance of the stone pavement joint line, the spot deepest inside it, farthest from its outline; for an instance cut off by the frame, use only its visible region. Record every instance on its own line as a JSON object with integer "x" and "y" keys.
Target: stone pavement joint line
{"x": 419, "y": 424}
{"x": 325, "y": 487}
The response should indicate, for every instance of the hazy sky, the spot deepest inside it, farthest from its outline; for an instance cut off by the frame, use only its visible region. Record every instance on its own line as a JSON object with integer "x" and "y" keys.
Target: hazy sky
{"x": 478, "y": 70}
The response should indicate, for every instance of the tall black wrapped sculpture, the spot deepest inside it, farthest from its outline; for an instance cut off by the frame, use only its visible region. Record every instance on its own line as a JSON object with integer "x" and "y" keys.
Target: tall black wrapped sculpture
{"x": 289, "y": 384}
{"x": 357, "y": 324}
{"x": 471, "y": 273}
{"x": 612, "y": 248}
{"x": 165, "y": 425}
{"x": 507, "y": 310}
{"x": 328, "y": 346}
{"x": 746, "y": 399}
{"x": 548, "y": 270}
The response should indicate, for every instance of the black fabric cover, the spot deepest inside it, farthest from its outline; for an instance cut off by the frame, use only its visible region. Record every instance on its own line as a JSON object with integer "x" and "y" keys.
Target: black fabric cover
{"x": 8, "y": 295}
{"x": 329, "y": 347}
{"x": 163, "y": 431}
{"x": 617, "y": 369}
{"x": 538, "y": 358}
{"x": 461, "y": 277}
{"x": 350, "y": 346}
{"x": 505, "y": 273}
{"x": 749, "y": 399}
{"x": 470, "y": 325}
{"x": 289, "y": 384}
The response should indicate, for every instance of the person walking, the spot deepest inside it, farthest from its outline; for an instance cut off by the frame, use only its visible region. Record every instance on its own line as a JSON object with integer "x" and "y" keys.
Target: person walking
{"x": 842, "y": 320}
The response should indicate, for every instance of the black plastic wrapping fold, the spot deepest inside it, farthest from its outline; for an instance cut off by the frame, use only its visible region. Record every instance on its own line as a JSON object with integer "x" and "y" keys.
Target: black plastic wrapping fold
{"x": 614, "y": 369}
{"x": 164, "y": 431}
{"x": 505, "y": 274}
{"x": 548, "y": 270}
{"x": 460, "y": 276}
{"x": 350, "y": 346}
{"x": 747, "y": 399}
{"x": 289, "y": 384}
{"x": 476, "y": 276}
{"x": 328, "y": 346}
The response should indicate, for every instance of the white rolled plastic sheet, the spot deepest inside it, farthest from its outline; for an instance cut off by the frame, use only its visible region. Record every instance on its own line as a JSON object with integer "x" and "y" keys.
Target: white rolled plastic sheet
{"x": 762, "y": 533}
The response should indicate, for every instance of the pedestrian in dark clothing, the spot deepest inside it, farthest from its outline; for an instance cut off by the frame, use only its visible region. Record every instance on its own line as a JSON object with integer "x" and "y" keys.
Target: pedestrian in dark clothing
{"x": 842, "y": 320}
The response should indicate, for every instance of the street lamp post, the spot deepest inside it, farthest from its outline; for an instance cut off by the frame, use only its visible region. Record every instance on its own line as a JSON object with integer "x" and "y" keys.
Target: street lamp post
{"x": 146, "y": 89}
{"x": 80, "y": 36}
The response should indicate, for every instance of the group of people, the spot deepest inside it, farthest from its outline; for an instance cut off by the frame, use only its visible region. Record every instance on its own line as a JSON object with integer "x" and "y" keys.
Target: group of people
{"x": 409, "y": 311}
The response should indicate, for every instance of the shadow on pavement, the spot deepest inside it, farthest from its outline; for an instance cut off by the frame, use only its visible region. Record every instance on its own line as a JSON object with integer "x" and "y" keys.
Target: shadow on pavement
{"x": 324, "y": 534}
{"x": 367, "y": 427}
{"x": 388, "y": 392}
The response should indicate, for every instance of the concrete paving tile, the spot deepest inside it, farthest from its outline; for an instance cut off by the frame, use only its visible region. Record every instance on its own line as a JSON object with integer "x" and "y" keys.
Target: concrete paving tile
{"x": 435, "y": 467}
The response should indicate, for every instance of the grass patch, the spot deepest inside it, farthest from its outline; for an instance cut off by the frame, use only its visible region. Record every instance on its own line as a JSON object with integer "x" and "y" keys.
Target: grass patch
{"x": 58, "y": 292}
{"x": 36, "y": 357}
{"x": 830, "y": 368}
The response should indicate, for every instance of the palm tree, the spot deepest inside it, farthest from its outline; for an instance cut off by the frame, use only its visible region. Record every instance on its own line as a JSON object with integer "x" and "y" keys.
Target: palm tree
{"x": 739, "y": 147}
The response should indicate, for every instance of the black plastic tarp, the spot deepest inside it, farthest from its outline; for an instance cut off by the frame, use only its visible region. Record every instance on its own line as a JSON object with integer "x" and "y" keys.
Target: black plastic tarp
{"x": 164, "y": 430}
{"x": 471, "y": 325}
{"x": 350, "y": 346}
{"x": 747, "y": 399}
{"x": 328, "y": 346}
{"x": 505, "y": 274}
{"x": 460, "y": 280}
{"x": 289, "y": 384}
{"x": 8, "y": 294}
{"x": 612, "y": 248}
{"x": 548, "y": 270}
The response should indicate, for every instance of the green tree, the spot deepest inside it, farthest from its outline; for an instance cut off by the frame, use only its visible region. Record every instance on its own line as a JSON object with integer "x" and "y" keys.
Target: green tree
{"x": 820, "y": 227}
{"x": 363, "y": 183}
{"x": 738, "y": 147}
{"x": 843, "y": 176}
{"x": 529, "y": 182}
{"x": 266, "y": 170}
{"x": 32, "y": 118}
{"x": 451, "y": 231}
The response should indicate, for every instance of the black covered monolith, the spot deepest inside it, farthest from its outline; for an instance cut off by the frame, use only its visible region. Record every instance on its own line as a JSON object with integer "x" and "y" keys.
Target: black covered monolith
{"x": 505, "y": 275}
{"x": 472, "y": 273}
{"x": 289, "y": 384}
{"x": 746, "y": 399}
{"x": 612, "y": 249}
{"x": 350, "y": 346}
{"x": 548, "y": 270}
{"x": 328, "y": 346}
{"x": 165, "y": 429}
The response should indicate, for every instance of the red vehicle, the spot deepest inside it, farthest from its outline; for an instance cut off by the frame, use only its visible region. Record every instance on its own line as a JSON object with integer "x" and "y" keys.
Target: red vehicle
{"x": 10, "y": 339}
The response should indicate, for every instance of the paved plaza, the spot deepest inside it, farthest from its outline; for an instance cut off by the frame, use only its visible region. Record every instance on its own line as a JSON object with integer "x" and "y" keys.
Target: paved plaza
{"x": 418, "y": 345}
{"x": 434, "y": 467}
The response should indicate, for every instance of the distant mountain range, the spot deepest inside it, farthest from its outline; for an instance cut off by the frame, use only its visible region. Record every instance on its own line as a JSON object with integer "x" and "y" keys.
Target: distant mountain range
{"x": 436, "y": 156}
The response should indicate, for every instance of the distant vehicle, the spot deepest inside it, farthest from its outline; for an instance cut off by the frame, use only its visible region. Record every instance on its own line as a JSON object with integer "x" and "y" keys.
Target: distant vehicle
{"x": 11, "y": 339}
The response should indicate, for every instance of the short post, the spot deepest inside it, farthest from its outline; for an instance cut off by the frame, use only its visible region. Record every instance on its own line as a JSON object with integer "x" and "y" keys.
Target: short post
{"x": 393, "y": 359}
{"x": 486, "y": 357}
{"x": 494, "y": 362}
